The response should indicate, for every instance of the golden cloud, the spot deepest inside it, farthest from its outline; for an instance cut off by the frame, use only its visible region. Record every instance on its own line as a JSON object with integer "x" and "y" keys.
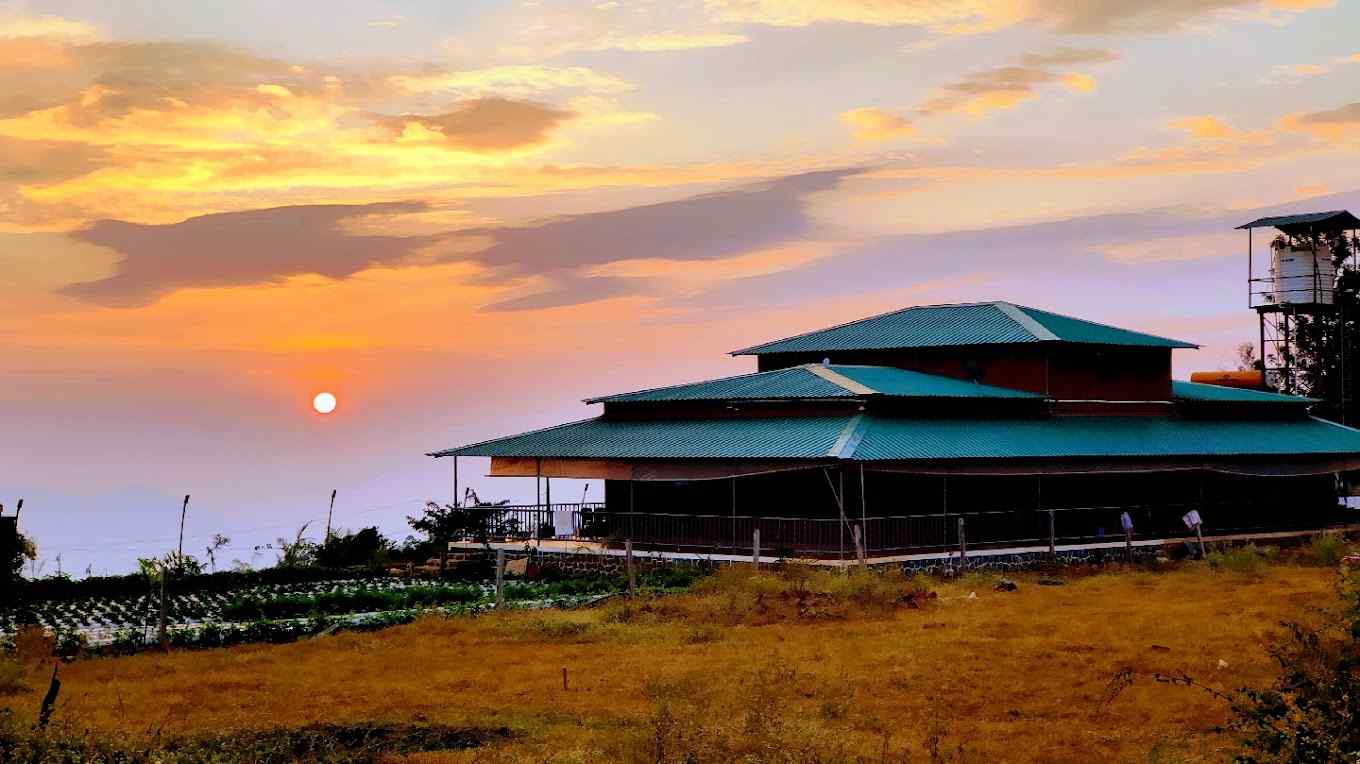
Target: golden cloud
{"x": 50, "y": 27}
{"x": 1339, "y": 125}
{"x": 873, "y": 124}
{"x": 523, "y": 80}
{"x": 656, "y": 42}
{"x": 482, "y": 124}
{"x": 1006, "y": 87}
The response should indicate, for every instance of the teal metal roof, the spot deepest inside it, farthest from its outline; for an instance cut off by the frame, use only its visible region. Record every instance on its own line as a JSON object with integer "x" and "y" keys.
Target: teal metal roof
{"x": 820, "y": 381}
{"x": 987, "y": 323}
{"x": 1097, "y": 437}
{"x": 794, "y": 382}
{"x": 878, "y": 438}
{"x": 753, "y": 438}
{"x": 1199, "y": 392}
{"x": 904, "y": 383}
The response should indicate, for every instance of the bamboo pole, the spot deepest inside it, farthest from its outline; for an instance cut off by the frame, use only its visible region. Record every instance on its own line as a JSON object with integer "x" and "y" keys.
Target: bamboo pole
{"x": 184, "y": 510}
{"x": 330, "y": 512}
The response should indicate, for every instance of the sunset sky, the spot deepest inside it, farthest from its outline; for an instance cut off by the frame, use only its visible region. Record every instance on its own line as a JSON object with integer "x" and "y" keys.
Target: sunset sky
{"x": 464, "y": 217}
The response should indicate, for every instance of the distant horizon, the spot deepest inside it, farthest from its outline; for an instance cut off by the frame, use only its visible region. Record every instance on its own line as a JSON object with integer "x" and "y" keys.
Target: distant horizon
{"x": 463, "y": 219}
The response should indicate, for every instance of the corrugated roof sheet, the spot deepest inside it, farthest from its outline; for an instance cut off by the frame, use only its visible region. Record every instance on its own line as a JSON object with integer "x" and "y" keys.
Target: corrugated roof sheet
{"x": 1069, "y": 329}
{"x": 1076, "y": 437}
{"x": 794, "y": 382}
{"x": 806, "y": 382}
{"x": 1331, "y": 220}
{"x": 1199, "y": 392}
{"x": 754, "y": 438}
{"x": 989, "y": 323}
{"x": 878, "y": 438}
{"x": 903, "y": 383}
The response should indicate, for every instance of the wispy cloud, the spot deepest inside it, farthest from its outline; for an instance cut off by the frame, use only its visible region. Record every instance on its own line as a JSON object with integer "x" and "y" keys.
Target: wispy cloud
{"x": 972, "y": 16}
{"x": 523, "y": 80}
{"x": 1006, "y": 87}
{"x": 235, "y": 248}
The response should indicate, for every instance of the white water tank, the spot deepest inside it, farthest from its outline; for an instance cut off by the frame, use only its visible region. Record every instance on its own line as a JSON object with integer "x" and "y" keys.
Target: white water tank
{"x": 1302, "y": 275}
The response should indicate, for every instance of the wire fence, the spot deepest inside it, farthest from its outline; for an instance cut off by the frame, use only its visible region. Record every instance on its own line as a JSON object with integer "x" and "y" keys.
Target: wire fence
{"x": 898, "y": 534}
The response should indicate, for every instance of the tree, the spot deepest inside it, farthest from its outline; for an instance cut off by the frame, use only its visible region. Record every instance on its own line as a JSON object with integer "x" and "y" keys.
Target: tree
{"x": 344, "y": 548}
{"x": 218, "y": 541}
{"x": 298, "y": 553}
{"x": 1246, "y": 357}
{"x": 15, "y": 548}
{"x": 1322, "y": 341}
{"x": 446, "y": 522}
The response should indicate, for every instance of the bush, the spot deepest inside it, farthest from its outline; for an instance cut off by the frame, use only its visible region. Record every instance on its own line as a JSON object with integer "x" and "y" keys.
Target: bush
{"x": 33, "y": 645}
{"x": 1245, "y": 560}
{"x": 1326, "y": 549}
{"x": 12, "y": 675}
{"x": 1311, "y": 715}
{"x": 355, "y": 601}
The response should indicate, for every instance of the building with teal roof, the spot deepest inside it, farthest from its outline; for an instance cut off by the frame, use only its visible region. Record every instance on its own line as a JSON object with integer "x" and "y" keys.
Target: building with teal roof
{"x": 932, "y": 430}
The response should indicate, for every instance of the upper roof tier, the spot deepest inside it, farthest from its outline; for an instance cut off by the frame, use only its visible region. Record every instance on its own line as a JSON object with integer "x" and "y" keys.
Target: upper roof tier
{"x": 983, "y": 323}
{"x": 819, "y": 381}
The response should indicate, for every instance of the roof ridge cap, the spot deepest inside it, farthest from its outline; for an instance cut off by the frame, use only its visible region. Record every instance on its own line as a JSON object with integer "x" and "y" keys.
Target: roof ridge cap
{"x": 1027, "y": 322}
{"x": 840, "y": 380}
{"x": 884, "y": 314}
{"x": 1069, "y": 317}
{"x": 600, "y": 398}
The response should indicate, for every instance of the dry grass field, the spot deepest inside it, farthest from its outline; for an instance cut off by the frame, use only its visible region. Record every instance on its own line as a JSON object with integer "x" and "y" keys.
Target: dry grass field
{"x": 798, "y": 667}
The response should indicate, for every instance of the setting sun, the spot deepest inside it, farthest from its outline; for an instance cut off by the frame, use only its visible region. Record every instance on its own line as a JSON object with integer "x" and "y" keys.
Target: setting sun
{"x": 324, "y": 403}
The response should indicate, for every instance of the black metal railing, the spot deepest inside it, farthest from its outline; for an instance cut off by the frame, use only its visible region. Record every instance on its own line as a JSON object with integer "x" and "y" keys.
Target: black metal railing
{"x": 880, "y": 535}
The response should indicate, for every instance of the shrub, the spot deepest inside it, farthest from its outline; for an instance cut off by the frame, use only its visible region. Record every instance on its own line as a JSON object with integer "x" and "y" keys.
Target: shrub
{"x": 33, "y": 645}
{"x": 1311, "y": 714}
{"x": 1245, "y": 560}
{"x": 1326, "y": 549}
{"x": 12, "y": 674}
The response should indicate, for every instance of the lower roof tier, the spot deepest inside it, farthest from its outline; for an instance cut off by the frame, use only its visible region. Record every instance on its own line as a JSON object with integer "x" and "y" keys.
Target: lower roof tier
{"x": 869, "y": 437}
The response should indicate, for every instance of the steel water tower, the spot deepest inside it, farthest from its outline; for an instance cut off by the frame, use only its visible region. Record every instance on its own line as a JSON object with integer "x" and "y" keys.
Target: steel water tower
{"x": 1294, "y": 277}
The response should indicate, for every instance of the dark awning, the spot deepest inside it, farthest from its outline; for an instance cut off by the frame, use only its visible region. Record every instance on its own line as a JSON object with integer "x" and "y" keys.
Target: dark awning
{"x": 1308, "y": 222}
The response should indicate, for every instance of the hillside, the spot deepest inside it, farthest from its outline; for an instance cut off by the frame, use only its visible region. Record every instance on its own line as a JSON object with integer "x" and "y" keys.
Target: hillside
{"x": 800, "y": 667}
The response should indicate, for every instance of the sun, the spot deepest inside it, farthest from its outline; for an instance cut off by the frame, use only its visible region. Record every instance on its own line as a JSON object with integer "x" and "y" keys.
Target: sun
{"x": 324, "y": 403}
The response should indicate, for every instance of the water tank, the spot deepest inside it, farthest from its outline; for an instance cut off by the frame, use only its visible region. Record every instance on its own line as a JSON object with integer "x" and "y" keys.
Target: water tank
{"x": 1252, "y": 380}
{"x": 1301, "y": 274}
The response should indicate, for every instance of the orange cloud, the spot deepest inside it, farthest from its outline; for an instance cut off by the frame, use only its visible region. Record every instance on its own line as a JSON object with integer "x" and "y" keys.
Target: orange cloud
{"x": 483, "y": 124}
{"x": 1006, "y": 87}
{"x": 873, "y": 124}
{"x": 1335, "y": 125}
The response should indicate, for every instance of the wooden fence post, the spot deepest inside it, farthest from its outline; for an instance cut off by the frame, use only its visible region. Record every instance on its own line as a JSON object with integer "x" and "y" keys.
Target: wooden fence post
{"x": 755, "y": 548}
{"x": 858, "y": 537}
{"x": 963, "y": 545}
{"x": 500, "y": 578}
{"x": 632, "y": 574}
{"x": 161, "y": 633}
{"x": 1052, "y": 535}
